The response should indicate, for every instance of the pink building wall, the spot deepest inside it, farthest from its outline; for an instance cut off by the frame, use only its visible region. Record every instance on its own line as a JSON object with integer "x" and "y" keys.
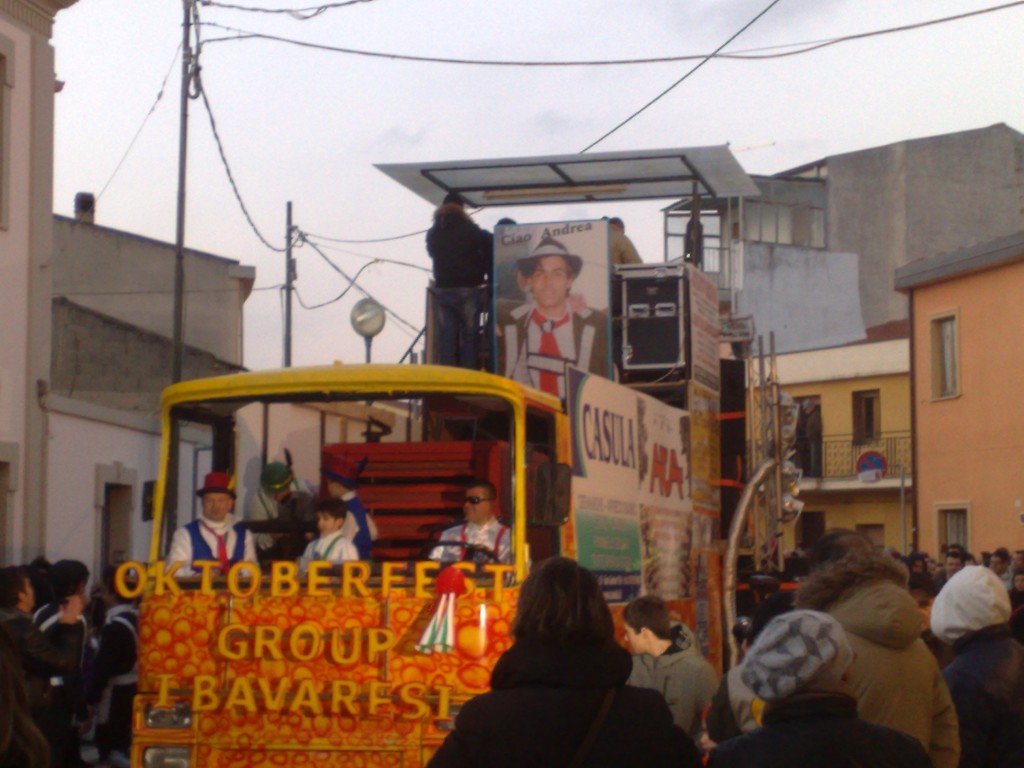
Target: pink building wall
{"x": 970, "y": 448}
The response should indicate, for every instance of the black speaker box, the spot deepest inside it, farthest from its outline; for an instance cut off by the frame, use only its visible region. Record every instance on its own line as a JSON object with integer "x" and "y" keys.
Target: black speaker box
{"x": 653, "y": 316}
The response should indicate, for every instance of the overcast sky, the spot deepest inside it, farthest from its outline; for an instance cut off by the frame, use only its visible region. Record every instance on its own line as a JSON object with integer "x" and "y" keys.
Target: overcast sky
{"x": 307, "y": 125}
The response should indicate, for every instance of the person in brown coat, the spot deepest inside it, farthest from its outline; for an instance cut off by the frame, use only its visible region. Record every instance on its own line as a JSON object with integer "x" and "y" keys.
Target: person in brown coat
{"x": 894, "y": 676}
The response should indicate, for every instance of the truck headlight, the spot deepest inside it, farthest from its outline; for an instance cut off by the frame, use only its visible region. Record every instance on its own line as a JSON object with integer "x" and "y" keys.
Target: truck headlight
{"x": 177, "y": 715}
{"x": 166, "y": 757}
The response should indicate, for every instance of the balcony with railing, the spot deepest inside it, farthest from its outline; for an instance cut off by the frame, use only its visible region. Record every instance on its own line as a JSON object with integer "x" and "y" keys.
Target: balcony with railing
{"x": 834, "y": 457}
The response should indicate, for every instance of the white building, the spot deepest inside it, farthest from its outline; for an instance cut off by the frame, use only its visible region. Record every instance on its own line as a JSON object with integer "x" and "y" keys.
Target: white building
{"x": 81, "y": 371}
{"x": 27, "y": 87}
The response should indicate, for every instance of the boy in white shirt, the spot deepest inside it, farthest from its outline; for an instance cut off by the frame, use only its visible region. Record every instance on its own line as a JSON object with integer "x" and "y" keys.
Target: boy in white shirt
{"x": 332, "y": 545}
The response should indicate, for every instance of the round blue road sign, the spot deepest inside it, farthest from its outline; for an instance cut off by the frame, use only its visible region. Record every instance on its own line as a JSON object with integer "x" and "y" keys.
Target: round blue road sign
{"x": 872, "y": 461}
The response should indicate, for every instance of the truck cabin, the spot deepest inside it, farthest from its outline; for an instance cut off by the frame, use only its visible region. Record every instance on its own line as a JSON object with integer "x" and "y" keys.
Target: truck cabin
{"x": 420, "y": 452}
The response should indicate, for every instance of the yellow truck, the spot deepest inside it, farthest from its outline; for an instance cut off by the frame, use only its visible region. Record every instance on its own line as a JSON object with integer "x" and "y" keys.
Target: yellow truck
{"x": 332, "y": 668}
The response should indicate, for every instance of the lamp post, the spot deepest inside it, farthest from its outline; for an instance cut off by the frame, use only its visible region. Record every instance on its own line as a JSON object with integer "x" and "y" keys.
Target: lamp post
{"x": 874, "y": 475}
{"x": 368, "y": 320}
{"x": 903, "y": 506}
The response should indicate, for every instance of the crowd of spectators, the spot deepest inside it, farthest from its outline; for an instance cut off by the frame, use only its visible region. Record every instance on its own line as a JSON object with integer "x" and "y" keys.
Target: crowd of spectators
{"x": 68, "y": 666}
{"x": 873, "y": 661}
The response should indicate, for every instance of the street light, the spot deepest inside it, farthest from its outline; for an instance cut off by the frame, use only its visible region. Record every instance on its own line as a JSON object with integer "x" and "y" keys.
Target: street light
{"x": 368, "y": 320}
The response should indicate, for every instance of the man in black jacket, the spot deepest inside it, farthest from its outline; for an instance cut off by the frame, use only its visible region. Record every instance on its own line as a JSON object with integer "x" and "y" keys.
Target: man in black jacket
{"x": 66, "y": 709}
{"x": 56, "y": 654}
{"x": 462, "y": 256}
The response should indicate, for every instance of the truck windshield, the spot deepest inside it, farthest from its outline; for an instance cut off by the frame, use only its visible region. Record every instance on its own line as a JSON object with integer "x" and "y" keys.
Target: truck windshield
{"x": 414, "y": 458}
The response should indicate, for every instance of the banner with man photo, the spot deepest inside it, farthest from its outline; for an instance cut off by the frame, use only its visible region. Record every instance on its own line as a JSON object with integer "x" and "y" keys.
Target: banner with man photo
{"x": 551, "y": 301}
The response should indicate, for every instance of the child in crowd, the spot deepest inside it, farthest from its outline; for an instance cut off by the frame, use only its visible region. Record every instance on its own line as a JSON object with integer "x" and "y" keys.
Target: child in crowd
{"x": 332, "y": 545}
{"x": 668, "y": 659}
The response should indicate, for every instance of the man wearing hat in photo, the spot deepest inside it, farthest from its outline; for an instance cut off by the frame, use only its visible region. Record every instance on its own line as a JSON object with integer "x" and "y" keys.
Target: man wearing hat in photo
{"x": 798, "y": 666}
{"x": 342, "y": 479}
{"x": 462, "y": 256}
{"x": 545, "y": 334}
{"x": 281, "y": 497}
{"x": 215, "y": 534}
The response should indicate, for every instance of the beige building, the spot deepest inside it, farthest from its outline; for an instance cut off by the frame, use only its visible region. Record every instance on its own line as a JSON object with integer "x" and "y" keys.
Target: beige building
{"x": 855, "y": 415}
{"x": 967, "y": 313}
{"x": 130, "y": 278}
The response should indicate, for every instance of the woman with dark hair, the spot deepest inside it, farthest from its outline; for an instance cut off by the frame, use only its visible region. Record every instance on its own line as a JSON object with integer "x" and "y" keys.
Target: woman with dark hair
{"x": 559, "y": 695}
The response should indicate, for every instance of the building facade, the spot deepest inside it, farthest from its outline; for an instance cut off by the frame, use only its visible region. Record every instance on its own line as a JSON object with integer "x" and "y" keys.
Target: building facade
{"x": 86, "y": 350}
{"x": 27, "y": 87}
{"x": 111, "y": 355}
{"x": 967, "y": 310}
{"x": 130, "y": 278}
{"x": 854, "y": 413}
{"x": 812, "y": 258}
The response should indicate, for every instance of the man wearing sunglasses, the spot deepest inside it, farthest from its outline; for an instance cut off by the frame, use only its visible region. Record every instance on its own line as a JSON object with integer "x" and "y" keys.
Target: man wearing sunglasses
{"x": 481, "y": 539}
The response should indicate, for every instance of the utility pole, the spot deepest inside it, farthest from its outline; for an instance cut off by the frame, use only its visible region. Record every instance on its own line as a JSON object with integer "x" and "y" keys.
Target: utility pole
{"x": 289, "y": 270}
{"x": 170, "y": 500}
{"x": 177, "y": 357}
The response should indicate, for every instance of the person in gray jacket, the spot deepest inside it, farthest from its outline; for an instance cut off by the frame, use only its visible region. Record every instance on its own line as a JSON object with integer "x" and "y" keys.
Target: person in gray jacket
{"x": 667, "y": 659}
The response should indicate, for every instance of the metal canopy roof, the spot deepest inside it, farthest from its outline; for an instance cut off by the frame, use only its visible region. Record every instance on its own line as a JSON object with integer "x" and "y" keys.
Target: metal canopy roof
{"x": 551, "y": 179}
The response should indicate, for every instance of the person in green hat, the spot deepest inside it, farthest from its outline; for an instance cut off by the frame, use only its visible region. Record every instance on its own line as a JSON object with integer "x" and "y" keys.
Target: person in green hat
{"x": 281, "y": 497}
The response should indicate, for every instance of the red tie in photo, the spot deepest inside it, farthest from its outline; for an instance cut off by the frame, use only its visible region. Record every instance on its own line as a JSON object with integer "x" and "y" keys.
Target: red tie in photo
{"x": 548, "y": 348}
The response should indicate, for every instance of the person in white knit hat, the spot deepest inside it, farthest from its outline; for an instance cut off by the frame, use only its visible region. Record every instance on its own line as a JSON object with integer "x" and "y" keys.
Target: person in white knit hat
{"x": 798, "y": 666}
{"x": 986, "y": 678}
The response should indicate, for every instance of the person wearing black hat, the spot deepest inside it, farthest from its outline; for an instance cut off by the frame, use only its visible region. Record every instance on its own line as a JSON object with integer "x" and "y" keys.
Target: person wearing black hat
{"x": 215, "y": 534}
{"x": 462, "y": 256}
{"x": 545, "y": 333}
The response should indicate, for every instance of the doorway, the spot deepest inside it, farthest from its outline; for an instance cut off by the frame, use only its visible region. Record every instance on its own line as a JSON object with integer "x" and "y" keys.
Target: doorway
{"x": 116, "y": 524}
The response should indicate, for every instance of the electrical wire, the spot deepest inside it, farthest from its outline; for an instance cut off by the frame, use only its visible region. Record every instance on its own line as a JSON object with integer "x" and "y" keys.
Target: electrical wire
{"x": 377, "y": 259}
{"x": 227, "y": 168}
{"x": 751, "y": 54}
{"x": 245, "y": 34}
{"x": 197, "y": 90}
{"x": 358, "y": 287}
{"x": 678, "y": 82}
{"x": 748, "y": 54}
{"x": 373, "y": 240}
{"x": 152, "y": 109}
{"x": 817, "y": 45}
{"x": 302, "y": 14}
{"x": 339, "y": 297}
